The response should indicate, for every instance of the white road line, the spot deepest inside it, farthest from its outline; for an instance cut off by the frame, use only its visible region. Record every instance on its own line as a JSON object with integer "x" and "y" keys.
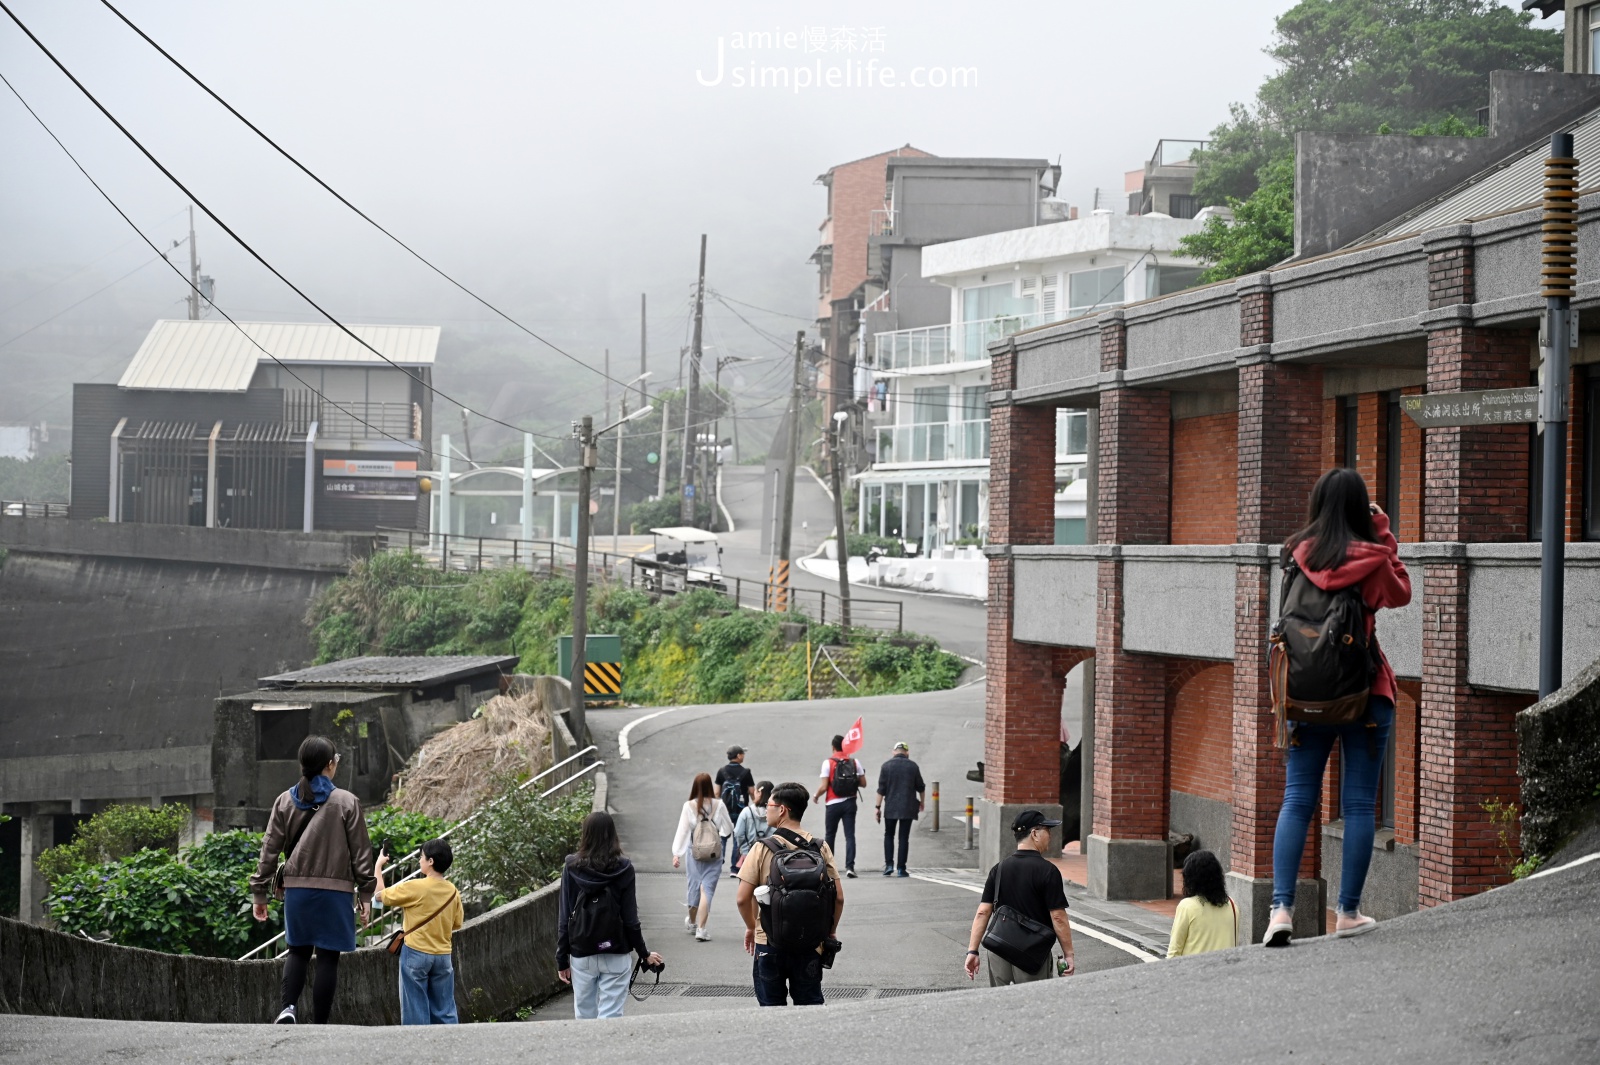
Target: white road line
{"x": 1569, "y": 865}
{"x": 1078, "y": 927}
{"x": 721, "y": 505}
{"x": 622, "y": 738}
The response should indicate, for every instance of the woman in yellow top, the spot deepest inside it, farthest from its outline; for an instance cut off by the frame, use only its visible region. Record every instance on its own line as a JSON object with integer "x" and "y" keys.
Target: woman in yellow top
{"x": 1206, "y": 918}
{"x": 432, "y": 908}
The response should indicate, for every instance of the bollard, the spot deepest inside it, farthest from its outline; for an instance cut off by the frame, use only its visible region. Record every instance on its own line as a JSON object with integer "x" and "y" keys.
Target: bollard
{"x": 968, "y": 846}
{"x": 935, "y": 826}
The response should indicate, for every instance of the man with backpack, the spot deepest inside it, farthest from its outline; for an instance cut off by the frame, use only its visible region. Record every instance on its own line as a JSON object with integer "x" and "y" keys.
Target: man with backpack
{"x": 735, "y": 786}
{"x": 842, "y": 780}
{"x": 790, "y": 898}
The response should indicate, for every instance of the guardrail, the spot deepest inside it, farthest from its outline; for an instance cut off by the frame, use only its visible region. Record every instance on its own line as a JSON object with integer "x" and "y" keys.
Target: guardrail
{"x": 472, "y": 554}
{"x": 23, "y": 508}
{"x": 463, "y": 823}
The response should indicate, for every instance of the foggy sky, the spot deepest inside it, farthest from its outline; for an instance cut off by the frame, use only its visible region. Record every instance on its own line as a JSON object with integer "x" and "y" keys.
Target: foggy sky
{"x": 559, "y": 158}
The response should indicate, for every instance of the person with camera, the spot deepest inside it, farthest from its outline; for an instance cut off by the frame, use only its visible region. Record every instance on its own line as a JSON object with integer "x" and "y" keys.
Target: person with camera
{"x": 598, "y": 931}
{"x": 791, "y": 899}
{"x": 1023, "y": 913}
{"x": 327, "y": 858}
{"x": 431, "y": 914}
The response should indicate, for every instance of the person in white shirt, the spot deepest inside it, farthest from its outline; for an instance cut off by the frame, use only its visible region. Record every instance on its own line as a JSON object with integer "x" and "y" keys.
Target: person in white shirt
{"x": 843, "y": 778}
{"x": 702, "y": 826}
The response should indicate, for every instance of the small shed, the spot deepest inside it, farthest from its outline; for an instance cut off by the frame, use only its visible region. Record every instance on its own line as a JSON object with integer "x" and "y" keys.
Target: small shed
{"x": 377, "y": 711}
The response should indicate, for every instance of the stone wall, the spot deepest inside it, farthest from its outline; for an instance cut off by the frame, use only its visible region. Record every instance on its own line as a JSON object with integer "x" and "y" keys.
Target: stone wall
{"x": 1559, "y": 745}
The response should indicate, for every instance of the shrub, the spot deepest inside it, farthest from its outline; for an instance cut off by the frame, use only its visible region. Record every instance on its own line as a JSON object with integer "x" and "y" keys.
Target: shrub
{"x": 860, "y": 543}
{"x": 664, "y": 513}
{"x": 405, "y": 831}
{"x": 518, "y": 843}
{"x": 115, "y": 832}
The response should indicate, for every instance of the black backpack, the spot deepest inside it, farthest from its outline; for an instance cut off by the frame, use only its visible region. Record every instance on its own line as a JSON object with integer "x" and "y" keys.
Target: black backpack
{"x": 844, "y": 782}
{"x": 1322, "y": 662}
{"x": 799, "y": 910}
{"x": 595, "y": 924}
{"x": 733, "y": 796}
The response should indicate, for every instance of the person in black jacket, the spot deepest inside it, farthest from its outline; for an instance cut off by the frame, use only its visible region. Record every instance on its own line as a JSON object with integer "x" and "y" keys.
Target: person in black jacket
{"x": 900, "y": 791}
{"x": 598, "y": 967}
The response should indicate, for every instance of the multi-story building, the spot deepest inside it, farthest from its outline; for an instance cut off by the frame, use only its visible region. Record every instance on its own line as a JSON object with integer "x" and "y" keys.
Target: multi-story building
{"x": 205, "y": 428}
{"x": 1213, "y": 411}
{"x": 929, "y": 478}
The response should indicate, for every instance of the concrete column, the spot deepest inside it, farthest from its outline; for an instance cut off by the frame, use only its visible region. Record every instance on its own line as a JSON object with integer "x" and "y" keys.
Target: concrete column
{"x": 38, "y": 836}
{"x": 1086, "y": 758}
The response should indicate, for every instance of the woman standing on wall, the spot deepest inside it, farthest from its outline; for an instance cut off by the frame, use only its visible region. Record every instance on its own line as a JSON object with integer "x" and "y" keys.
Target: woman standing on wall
{"x": 327, "y": 857}
{"x": 1346, "y": 544}
{"x": 702, "y": 825}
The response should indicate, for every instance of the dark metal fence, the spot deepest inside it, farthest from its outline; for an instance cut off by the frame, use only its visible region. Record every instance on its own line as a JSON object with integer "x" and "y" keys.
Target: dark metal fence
{"x": 22, "y": 508}
{"x": 471, "y": 554}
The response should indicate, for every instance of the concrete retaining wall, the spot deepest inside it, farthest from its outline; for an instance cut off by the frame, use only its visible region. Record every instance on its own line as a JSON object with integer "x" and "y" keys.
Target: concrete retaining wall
{"x": 320, "y": 552}
{"x": 1559, "y": 760}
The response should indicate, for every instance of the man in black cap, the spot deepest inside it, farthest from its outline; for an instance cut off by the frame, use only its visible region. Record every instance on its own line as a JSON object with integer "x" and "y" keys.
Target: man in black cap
{"x": 1028, "y": 884}
{"x": 736, "y": 786}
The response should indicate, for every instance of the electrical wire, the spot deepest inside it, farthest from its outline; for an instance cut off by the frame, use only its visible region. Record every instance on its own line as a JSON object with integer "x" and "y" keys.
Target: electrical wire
{"x": 763, "y": 310}
{"x": 330, "y": 190}
{"x": 82, "y": 270}
{"x": 86, "y": 299}
{"x": 186, "y": 279}
{"x": 170, "y": 176}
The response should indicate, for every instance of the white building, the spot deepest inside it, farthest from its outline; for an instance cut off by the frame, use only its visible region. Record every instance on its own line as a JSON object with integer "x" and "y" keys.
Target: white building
{"x": 929, "y": 480}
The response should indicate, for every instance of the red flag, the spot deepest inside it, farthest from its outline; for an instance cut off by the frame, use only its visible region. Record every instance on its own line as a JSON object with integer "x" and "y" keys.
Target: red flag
{"x": 852, "y": 739}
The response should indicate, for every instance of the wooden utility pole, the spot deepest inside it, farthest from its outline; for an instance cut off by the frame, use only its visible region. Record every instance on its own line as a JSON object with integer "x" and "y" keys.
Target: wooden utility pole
{"x": 587, "y": 460}
{"x": 690, "y": 425}
{"x": 841, "y": 534}
{"x": 778, "y": 576}
{"x": 616, "y": 490}
{"x": 194, "y": 272}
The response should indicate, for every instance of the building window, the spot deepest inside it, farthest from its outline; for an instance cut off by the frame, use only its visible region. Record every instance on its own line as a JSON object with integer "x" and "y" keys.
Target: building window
{"x": 1594, "y": 43}
{"x": 279, "y": 733}
{"x": 1386, "y": 792}
{"x": 969, "y": 511}
{"x": 1349, "y": 426}
{"x": 1391, "y": 475}
{"x": 1165, "y": 280}
{"x": 1072, "y": 434}
{"x": 1089, "y": 290}
{"x": 1179, "y": 206}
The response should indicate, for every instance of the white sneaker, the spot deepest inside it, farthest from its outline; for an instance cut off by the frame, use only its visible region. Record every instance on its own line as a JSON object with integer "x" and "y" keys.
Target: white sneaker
{"x": 688, "y": 924}
{"x": 702, "y": 935}
{"x": 285, "y": 1016}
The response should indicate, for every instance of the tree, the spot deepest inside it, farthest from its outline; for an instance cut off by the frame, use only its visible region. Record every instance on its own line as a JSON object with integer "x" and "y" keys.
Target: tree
{"x": 1350, "y": 66}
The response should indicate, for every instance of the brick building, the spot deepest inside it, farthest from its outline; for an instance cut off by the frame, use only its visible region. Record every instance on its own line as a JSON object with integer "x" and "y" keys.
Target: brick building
{"x": 1214, "y": 410}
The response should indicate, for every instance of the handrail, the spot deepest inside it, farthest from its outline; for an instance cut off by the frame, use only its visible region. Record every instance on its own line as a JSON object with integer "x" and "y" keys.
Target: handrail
{"x": 458, "y": 825}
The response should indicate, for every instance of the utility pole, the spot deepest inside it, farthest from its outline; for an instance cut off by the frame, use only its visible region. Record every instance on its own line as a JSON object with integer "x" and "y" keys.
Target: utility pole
{"x": 683, "y": 450}
{"x": 686, "y": 513}
{"x": 616, "y": 491}
{"x": 1559, "y": 270}
{"x": 194, "y": 272}
{"x": 587, "y": 460}
{"x": 778, "y": 576}
{"x": 606, "y": 409}
{"x": 643, "y": 369}
{"x": 661, "y": 453}
{"x": 840, "y": 533}
{"x": 466, "y": 440}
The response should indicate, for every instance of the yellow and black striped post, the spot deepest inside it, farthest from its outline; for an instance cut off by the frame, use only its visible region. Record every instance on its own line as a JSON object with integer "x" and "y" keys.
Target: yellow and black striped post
{"x": 778, "y": 587}
{"x": 602, "y": 680}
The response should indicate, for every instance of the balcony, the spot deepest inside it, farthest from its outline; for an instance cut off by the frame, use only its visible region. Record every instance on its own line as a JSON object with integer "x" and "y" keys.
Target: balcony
{"x": 351, "y": 418}
{"x": 943, "y": 345}
{"x": 934, "y": 442}
{"x": 880, "y": 223}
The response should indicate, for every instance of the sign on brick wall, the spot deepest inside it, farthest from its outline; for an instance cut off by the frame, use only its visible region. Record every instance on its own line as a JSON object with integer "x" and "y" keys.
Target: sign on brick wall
{"x": 1496, "y": 406}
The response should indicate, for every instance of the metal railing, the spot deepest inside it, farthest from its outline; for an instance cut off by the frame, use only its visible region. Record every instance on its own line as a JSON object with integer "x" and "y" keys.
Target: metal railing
{"x": 934, "y": 442}
{"x": 463, "y": 823}
{"x": 942, "y": 345}
{"x": 23, "y": 508}
{"x": 473, "y": 554}
{"x": 880, "y": 223}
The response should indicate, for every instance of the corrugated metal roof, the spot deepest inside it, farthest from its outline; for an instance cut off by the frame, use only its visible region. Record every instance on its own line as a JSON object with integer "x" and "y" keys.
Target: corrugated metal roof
{"x": 392, "y": 671}
{"x": 217, "y": 357}
{"x": 1512, "y": 183}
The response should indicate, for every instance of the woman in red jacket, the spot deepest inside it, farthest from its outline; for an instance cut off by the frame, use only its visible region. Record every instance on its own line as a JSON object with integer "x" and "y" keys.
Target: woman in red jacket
{"x": 1346, "y": 542}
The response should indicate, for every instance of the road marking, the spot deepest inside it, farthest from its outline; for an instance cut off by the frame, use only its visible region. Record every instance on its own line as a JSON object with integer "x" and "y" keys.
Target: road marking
{"x": 1078, "y": 927}
{"x": 1569, "y": 865}
{"x": 622, "y": 738}
{"x": 722, "y": 506}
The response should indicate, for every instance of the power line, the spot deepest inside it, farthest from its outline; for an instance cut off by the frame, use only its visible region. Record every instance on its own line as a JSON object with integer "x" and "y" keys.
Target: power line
{"x": 329, "y": 188}
{"x": 90, "y": 296}
{"x": 170, "y": 176}
{"x": 186, "y": 279}
{"x": 35, "y": 294}
{"x": 763, "y": 310}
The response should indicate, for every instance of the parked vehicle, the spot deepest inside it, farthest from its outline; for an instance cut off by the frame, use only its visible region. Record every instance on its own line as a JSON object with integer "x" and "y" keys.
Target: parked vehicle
{"x": 683, "y": 558}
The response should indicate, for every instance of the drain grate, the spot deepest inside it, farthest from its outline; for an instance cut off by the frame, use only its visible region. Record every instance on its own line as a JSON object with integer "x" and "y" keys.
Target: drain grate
{"x": 654, "y": 990}
{"x": 843, "y": 994}
{"x": 904, "y": 992}
{"x": 719, "y": 991}
{"x": 831, "y": 994}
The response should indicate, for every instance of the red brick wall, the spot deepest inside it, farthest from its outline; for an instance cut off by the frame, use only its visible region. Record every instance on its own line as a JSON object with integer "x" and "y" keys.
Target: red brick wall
{"x": 1410, "y": 476}
{"x": 1450, "y": 276}
{"x": 1372, "y": 440}
{"x": 1205, "y": 479}
{"x": 1477, "y": 476}
{"x": 1022, "y": 487}
{"x": 1406, "y": 727}
{"x": 1279, "y": 448}
{"x": 1575, "y": 417}
{"x": 1130, "y": 742}
{"x": 1200, "y": 728}
{"x": 1135, "y": 467}
{"x": 857, "y": 192}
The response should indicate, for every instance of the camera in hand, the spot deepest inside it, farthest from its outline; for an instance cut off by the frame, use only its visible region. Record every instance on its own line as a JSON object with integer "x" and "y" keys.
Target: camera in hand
{"x": 658, "y": 968}
{"x": 830, "y": 950}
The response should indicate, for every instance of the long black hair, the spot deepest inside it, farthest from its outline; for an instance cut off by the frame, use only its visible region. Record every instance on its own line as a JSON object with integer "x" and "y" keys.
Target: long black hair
{"x": 315, "y": 754}
{"x": 1202, "y": 877}
{"x": 598, "y": 846}
{"x": 1340, "y": 511}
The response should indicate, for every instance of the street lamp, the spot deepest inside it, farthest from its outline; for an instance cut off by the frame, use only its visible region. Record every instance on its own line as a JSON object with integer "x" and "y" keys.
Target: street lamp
{"x": 588, "y": 457}
{"x": 841, "y": 541}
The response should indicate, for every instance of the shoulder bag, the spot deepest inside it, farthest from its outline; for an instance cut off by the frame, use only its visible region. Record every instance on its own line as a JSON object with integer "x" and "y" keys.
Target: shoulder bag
{"x": 283, "y": 862}
{"x": 398, "y": 940}
{"x": 1014, "y": 936}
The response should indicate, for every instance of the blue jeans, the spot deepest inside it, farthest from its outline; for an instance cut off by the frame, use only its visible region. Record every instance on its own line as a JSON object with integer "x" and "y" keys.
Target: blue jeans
{"x": 600, "y": 985}
{"x": 427, "y": 988}
{"x": 1360, "y": 772}
{"x": 781, "y": 975}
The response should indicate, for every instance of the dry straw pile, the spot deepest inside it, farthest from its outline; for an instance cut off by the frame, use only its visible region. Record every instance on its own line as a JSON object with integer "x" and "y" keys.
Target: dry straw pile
{"x": 456, "y": 771}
